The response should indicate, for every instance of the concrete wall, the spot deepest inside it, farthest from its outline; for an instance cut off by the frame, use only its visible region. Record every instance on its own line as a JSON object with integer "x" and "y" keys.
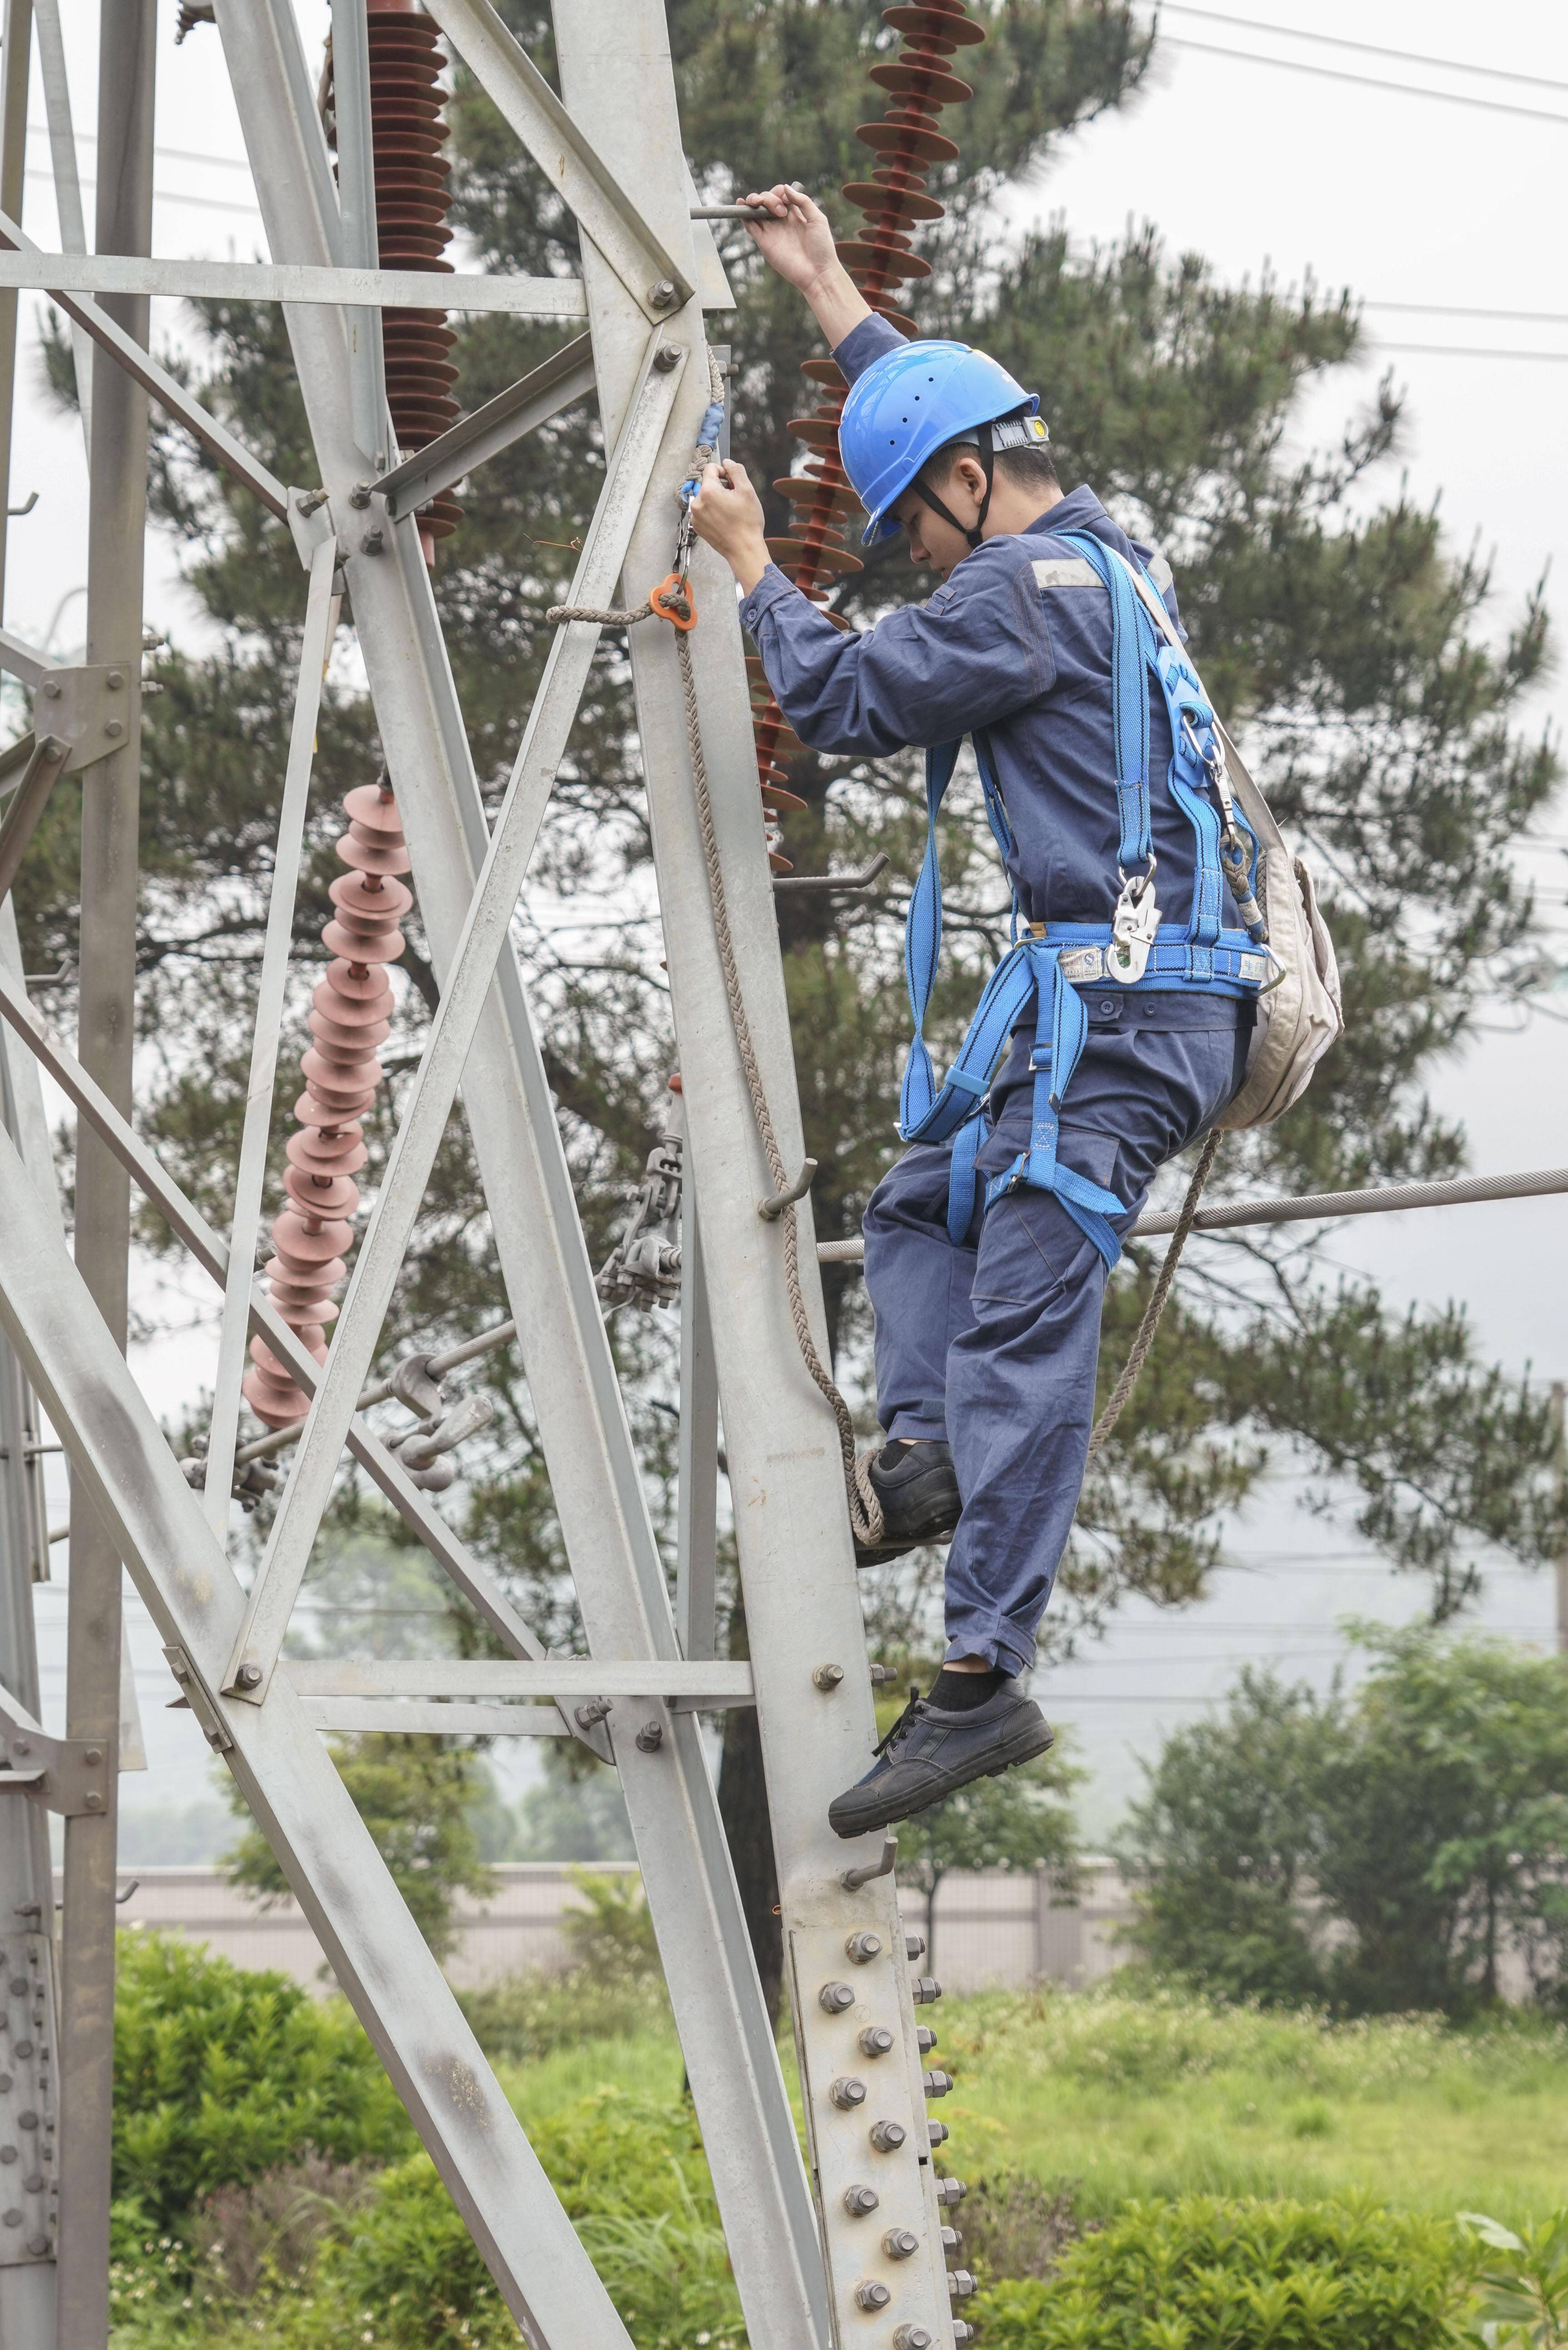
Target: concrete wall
{"x": 993, "y": 1927}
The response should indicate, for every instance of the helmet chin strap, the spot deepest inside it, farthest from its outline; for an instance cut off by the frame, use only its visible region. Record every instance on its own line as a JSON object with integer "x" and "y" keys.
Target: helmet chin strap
{"x": 987, "y": 456}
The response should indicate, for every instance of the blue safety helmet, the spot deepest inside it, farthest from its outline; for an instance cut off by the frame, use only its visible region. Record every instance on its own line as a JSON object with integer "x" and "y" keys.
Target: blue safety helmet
{"x": 917, "y": 399}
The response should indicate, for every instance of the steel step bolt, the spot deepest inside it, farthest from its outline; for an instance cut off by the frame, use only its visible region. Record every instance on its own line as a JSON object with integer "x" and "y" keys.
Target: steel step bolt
{"x": 889, "y": 2136}
{"x": 875, "y": 2040}
{"x": 861, "y": 1949}
{"x": 951, "y": 2191}
{"x": 960, "y": 2284}
{"x": 936, "y": 2084}
{"x": 858, "y": 2201}
{"x": 925, "y": 2039}
{"x": 873, "y": 2295}
{"x": 914, "y": 2337}
{"x": 835, "y": 1997}
{"x": 847, "y": 2092}
{"x": 924, "y": 1990}
{"x": 900, "y": 2243}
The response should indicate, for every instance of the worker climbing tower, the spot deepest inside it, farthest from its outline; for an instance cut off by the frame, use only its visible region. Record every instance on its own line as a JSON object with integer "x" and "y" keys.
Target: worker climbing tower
{"x": 853, "y": 2244}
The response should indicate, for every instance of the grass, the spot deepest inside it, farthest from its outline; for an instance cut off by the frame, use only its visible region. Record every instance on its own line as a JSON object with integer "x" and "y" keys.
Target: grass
{"x": 1165, "y": 2095}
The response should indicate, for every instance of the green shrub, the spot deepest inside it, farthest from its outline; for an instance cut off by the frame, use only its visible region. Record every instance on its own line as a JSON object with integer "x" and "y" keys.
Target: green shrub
{"x": 1247, "y": 2275}
{"x": 220, "y": 2075}
{"x": 634, "y": 2182}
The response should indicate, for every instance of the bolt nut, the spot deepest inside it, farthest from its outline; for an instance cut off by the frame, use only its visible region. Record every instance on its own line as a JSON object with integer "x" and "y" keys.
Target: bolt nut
{"x": 900, "y": 2243}
{"x": 936, "y": 2084}
{"x": 951, "y": 2191}
{"x": 924, "y": 1990}
{"x": 20, "y": 1746}
{"x": 962, "y": 2333}
{"x": 650, "y": 1738}
{"x": 373, "y": 541}
{"x": 951, "y": 2241}
{"x": 38, "y": 2246}
{"x": 925, "y": 2039}
{"x": 589, "y": 1716}
{"x": 52, "y": 689}
{"x": 835, "y": 1997}
{"x": 861, "y": 1949}
{"x": 873, "y": 2295}
{"x": 667, "y": 357}
{"x": 661, "y": 293}
{"x": 827, "y": 1677}
{"x": 937, "y": 2132}
{"x": 914, "y": 1947}
{"x": 93, "y": 1754}
{"x": 881, "y": 1673}
{"x": 960, "y": 2284}
{"x": 248, "y": 1676}
{"x": 913, "y": 2337}
{"x": 115, "y": 680}
{"x": 359, "y": 495}
{"x": 847, "y": 2092}
{"x": 114, "y": 729}
{"x": 888, "y": 2137}
{"x": 858, "y": 2201}
{"x": 93, "y": 1800}
{"x": 875, "y": 2040}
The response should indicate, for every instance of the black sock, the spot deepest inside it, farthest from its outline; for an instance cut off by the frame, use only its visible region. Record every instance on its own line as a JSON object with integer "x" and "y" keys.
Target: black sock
{"x": 959, "y": 1692}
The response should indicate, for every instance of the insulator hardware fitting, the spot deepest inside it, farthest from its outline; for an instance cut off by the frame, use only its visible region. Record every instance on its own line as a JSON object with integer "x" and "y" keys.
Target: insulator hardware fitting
{"x": 960, "y": 2284}
{"x": 847, "y": 2092}
{"x": 661, "y": 293}
{"x": 951, "y": 2191}
{"x": 912, "y": 2337}
{"x": 875, "y": 2040}
{"x": 667, "y": 358}
{"x": 924, "y": 1990}
{"x": 888, "y": 2137}
{"x": 914, "y": 1947}
{"x": 936, "y": 2084}
{"x": 827, "y": 1677}
{"x": 650, "y": 1738}
{"x": 858, "y": 2201}
{"x": 900, "y": 2243}
{"x": 873, "y": 2295}
{"x": 835, "y": 1997}
{"x": 951, "y": 2241}
{"x": 937, "y": 2132}
{"x": 861, "y": 1949}
{"x": 925, "y": 2039}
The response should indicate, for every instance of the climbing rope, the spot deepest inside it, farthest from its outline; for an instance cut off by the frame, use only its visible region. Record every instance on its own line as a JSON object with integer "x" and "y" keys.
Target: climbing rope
{"x": 672, "y": 601}
{"x": 1156, "y": 1307}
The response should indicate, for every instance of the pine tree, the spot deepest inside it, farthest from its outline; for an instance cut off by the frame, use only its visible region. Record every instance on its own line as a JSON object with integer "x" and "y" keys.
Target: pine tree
{"x": 1338, "y": 635}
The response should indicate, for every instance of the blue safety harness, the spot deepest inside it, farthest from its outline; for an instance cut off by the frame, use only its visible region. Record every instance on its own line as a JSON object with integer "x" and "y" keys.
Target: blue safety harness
{"x": 1051, "y": 963}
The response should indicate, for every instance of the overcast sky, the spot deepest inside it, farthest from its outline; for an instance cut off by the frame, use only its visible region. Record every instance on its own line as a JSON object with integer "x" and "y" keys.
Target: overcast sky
{"x": 1404, "y": 200}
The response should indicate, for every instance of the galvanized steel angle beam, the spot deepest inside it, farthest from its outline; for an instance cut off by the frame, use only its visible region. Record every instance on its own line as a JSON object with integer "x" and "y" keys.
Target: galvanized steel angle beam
{"x": 466, "y": 987}
{"x": 737, "y": 2086}
{"x": 133, "y": 1482}
{"x": 557, "y": 382}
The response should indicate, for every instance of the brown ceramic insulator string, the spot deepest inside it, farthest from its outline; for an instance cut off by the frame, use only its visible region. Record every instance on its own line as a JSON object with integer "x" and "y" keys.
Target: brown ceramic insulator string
{"x": 895, "y": 200}
{"x": 351, "y": 1013}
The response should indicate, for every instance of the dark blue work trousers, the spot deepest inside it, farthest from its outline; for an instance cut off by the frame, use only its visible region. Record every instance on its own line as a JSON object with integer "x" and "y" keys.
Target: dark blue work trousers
{"x": 994, "y": 1345}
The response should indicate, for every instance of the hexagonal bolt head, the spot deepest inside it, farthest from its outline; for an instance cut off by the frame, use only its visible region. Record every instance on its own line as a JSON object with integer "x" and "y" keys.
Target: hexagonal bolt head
{"x": 667, "y": 357}
{"x": 858, "y": 2201}
{"x": 827, "y": 1677}
{"x": 835, "y": 1997}
{"x": 936, "y": 2084}
{"x": 248, "y": 1676}
{"x": 900, "y": 2243}
{"x": 951, "y": 2191}
{"x": 661, "y": 293}
{"x": 962, "y": 2333}
{"x": 914, "y": 1947}
{"x": 876, "y": 2040}
{"x": 912, "y": 2337}
{"x": 960, "y": 2284}
{"x": 873, "y": 2295}
{"x": 861, "y": 1949}
{"x": 938, "y": 2132}
{"x": 925, "y": 2039}
{"x": 888, "y": 2137}
{"x": 650, "y": 1738}
{"x": 952, "y": 2242}
{"x": 847, "y": 2092}
{"x": 924, "y": 1990}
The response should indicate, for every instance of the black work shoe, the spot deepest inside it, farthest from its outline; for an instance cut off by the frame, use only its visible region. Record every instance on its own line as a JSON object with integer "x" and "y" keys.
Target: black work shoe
{"x": 929, "y": 1752}
{"x": 918, "y": 1488}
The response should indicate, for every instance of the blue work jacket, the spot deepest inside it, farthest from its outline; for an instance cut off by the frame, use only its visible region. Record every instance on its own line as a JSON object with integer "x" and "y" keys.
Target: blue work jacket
{"x": 1017, "y": 642}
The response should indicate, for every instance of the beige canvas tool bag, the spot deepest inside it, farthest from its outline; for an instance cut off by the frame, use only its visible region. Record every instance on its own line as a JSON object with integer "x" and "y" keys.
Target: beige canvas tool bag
{"x": 1300, "y": 1016}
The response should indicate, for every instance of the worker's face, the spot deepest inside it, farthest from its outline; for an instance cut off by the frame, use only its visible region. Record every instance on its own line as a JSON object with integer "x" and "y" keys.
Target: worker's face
{"x": 931, "y": 540}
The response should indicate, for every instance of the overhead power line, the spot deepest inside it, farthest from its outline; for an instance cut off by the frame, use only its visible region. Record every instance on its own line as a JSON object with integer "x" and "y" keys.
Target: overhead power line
{"x": 1473, "y": 352}
{"x": 1367, "y": 49}
{"x": 1368, "y": 81}
{"x": 169, "y": 196}
{"x": 1465, "y": 310}
{"x": 171, "y": 154}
